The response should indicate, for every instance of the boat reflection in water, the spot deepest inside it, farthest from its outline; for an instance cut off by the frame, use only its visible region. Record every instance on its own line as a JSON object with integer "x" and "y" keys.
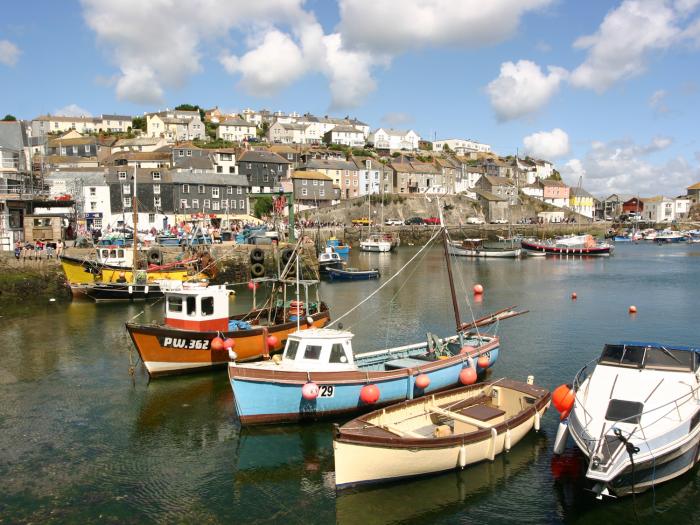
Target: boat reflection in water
{"x": 428, "y": 498}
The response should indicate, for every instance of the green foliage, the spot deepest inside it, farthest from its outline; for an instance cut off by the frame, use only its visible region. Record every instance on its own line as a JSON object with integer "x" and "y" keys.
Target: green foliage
{"x": 138, "y": 123}
{"x": 555, "y": 175}
{"x": 262, "y": 206}
{"x": 396, "y": 154}
{"x": 213, "y": 144}
{"x": 428, "y": 146}
{"x": 338, "y": 147}
{"x": 362, "y": 153}
{"x": 421, "y": 158}
{"x": 446, "y": 148}
{"x": 191, "y": 107}
{"x": 9, "y": 118}
{"x": 262, "y": 130}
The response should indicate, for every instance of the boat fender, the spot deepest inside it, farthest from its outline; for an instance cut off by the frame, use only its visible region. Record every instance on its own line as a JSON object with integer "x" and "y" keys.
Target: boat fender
{"x": 155, "y": 256}
{"x": 422, "y": 381}
{"x": 257, "y": 270}
{"x": 257, "y": 255}
{"x": 232, "y": 355}
{"x": 537, "y": 421}
{"x": 369, "y": 394}
{"x": 561, "y": 437}
{"x": 217, "y": 343}
{"x": 272, "y": 341}
{"x": 492, "y": 447}
{"x": 287, "y": 255}
{"x": 462, "y": 456}
{"x": 229, "y": 343}
{"x": 467, "y": 376}
{"x": 483, "y": 361}
{"x": 563, "y": 398}
{"x": 309, "y": 391}
{"x": 507, "y": 443}
{"x": 310, "y": 320}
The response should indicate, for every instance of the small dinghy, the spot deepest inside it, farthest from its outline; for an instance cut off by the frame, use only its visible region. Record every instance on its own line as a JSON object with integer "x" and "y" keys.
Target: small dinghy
{"x": 635, "y": 417}
{"x": 437, "y": 433}
{"x": 351, "y": 274}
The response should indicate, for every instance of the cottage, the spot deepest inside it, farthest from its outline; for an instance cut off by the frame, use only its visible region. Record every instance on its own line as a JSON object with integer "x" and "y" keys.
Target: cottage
{"x": 582, "y": 202}
{"x": 460, "y": 146}
{"x": 313, "y": 189}
{"x": 499, "y": 186}
{"x": 495, "y": 207}
{"x": 346, "y": 136}
{"x": 394, "y": 139}
{"x": 555, "y": 192}
{"x": 263, "y": 169}
{"x": 236, "y": 130}
{"x": 344, "y": 174}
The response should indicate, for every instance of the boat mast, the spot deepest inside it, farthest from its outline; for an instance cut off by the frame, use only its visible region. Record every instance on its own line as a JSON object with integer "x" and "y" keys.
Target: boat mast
{"x": 455, "y": 303}
{"x": 134, "y": 244}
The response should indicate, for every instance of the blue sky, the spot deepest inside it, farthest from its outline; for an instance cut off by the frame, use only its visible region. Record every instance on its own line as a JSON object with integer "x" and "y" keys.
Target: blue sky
{"x": 618, "y": 108}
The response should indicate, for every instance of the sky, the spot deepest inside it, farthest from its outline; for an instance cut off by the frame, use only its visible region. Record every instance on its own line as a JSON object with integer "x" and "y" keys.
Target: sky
{"x": 609, "y": 91}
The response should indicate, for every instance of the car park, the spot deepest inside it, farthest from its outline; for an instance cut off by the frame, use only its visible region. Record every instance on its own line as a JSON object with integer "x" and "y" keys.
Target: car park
{"x": 475, "y": 220}
{"x": 393, "y": 222}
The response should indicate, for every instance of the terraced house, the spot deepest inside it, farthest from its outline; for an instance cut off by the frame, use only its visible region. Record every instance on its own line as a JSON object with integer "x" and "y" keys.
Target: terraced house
{"x": 263, "y": 170}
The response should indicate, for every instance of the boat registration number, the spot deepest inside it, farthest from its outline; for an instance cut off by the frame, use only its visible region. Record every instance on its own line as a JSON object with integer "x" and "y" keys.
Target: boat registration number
{"x": 326, "y": 391}
{"x": 188, "y": 344}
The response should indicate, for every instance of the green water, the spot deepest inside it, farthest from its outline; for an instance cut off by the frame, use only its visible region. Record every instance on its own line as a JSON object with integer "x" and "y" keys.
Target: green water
{"x": 83, "y": 441}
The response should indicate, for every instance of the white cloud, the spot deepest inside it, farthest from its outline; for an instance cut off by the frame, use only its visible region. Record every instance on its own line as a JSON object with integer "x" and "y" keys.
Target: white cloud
{"x": 657, "y": 101}
{"x": 547, "y": 144}
{"x": 9, "y": 53}
{"x": 627, "y": 36}
{"x": 397, "y": 119}
{"x": 385, "y": 26}
{"x": 622, "y": 166}
{"x": 523, "y": 88}
{"x": 72, "y": 110}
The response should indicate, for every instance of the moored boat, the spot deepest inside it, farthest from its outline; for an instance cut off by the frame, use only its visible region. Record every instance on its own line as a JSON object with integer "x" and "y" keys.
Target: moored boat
{"x": 670, "y": 237}
{"x": 329, "y": 259}
{"x": 580, "y": 245}
{"x": 476, "y": 248}
{"x": 436, "y": 433}
{"x": 338, "y": 246}
{"x": 376, "y": 243}
{"x": 634, "y": 416}
{"x": 351, "y": 274}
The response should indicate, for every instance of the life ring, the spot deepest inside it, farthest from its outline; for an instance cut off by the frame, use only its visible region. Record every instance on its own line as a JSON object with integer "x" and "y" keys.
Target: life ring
{"x": 287, "y": 255}
{"x": 257, "y": 270}
{"x": 155, "y": 256}
{"x": 257, "y": 255}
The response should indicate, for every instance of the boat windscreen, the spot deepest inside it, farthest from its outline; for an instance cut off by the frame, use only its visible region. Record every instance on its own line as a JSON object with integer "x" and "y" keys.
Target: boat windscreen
{"x": 653, "y": 358}
{"x": 627, "y": 411}
{"x": 622, "y": 355}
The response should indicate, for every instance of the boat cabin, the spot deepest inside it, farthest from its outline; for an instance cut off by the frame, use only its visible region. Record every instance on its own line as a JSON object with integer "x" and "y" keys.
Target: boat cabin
{"x": 319, "y": 349}
{"x": 115, "y": 256}
{"x": 195, "y": 306}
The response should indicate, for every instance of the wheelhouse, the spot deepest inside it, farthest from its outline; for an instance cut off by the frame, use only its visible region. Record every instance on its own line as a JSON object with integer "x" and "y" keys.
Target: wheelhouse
{"x": 193, "y": 306}
{"x": 320, "y": 348}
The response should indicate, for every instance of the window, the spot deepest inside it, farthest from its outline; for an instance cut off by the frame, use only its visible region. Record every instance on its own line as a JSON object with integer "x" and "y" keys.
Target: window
{"x": 291, "y": 351}
{"x": 312, "y": 352}
{"x": 279, "y": 168}
{"x": 241, "y": 204}
{"x": 97, "y": 223}
{"x": 181, "y": 152}
{"x": 250, "y": 165}
{"x": 191, "y": 305}
{"x": 156, "y": 189}
{"x": 93, "y": 192}
{"x": 224, "y": 204}
{"x": 195, "y": 203}
{"x": 233, "y": 204}
{"x": 151, "y": 218}
{"x": 207, "y": 203}
{"x": 219, "y": 169}
{"x": 75, "y": 150}
{"x": 215, "y": 192}
{"x": 127, "y": 189}
{"x": 155, "y": 175}
{"x": 239, "y": 190}
{"x": 304, "y": 192}
{"x": 183, "y": 204}
{"x": 200, "y": 188}
{"x": 87, "y": 148}
{"x": 315, "y": 183}
{"x": 185, "y": 188}
{"x": 121, "y": 175}
{"x": 207, "y": 306}
{"x": 321, "y": 192}
{"x": 338, "y": 354}
{"x": 266, "y": 177}
{"x": 127, "y": 202}
{"x": 229, "y": 190}
{"x": 215, "y": 206}
{"x": 303, "y": 182}
{"x": 93, "y": 206}
{"x": 189, "y": 152}
{"x": 156, "y": 202}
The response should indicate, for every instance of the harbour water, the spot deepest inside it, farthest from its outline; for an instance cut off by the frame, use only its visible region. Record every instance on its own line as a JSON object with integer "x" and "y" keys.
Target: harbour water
{"x": 83, "y": 441}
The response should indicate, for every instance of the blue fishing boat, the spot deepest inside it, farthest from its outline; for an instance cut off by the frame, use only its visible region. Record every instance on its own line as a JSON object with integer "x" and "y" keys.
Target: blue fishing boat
{"x": 351, "y": 274}
{"x": 338, "y": 246}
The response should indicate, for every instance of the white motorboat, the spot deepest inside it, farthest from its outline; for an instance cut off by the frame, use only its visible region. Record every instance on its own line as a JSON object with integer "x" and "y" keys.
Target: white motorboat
{"x": 376, "y": 243}
{"x": 635, "y": 417}
{"x": 329, "y": 259}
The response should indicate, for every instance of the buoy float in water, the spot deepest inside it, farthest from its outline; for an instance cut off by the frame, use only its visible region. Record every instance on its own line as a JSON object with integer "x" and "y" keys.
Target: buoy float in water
{"x": 369, "y": 394}
{"x": 633, "y": 309}
{"x": 217, "y": 343}
{"x": 468, "y": 376}
{"x": 422, "y": 381}
{"x": 574, "y": 296}
{"x": 563, "y": 399}
{"x": 252, "y": 285}
{"x": 309, "y": 391}
{"x": 483, "y": 361}
{"x": 478, "y": 289}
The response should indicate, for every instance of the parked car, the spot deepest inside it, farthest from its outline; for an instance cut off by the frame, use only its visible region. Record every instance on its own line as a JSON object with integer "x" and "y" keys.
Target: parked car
{"x": 499, "y": 221}
{"x": 432, "y": 220}
{"x": 475, "y": 220}
{"x": 414, "y": 220}
{"x": 393, "y": 222}
{"x": 362, "y": 221}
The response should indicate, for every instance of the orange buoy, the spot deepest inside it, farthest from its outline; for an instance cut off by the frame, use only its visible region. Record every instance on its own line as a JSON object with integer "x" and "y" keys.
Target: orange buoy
{"x": 563, "y": 399}
{"x": 229, "y": 343}
{"x": 483, "y": 361}
{"x": 272, "y": 341}
{"x": 309, "y": 391}
{"x": 252, "y": 285}
{"x": 574, "y": 296}
{"x": 633, "y": 309}
{"x": 422, "y": 381}
{"x": 478, "y": 289}
{"x": 217, "y": 343}
{"x": 468, "y": 376}
{"x": 369, "y": 394}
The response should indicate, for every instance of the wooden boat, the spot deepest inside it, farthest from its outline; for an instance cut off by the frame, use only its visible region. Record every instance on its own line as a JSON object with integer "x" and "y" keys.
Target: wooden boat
{"x": 634, "y": 416}
{"x": 437, "y": 433}
{"x": 197, "y": 314}
{"x": 476, "y": 248}
{"x": 580, "y": 245}
{"x": 351, "y": 274}
{"x": 118, "y": 291}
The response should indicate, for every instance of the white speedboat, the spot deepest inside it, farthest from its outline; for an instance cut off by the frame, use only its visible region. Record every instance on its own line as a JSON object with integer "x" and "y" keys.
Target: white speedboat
{"x": 376, "y": 243}
{"x": 635, "y": 417}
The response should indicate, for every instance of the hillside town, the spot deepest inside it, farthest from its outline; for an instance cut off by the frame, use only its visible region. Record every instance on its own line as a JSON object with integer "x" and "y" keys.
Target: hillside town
{"x": 186, "y": 163}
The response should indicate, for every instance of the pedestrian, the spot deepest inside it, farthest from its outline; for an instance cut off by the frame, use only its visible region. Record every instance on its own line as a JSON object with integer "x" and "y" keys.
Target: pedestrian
{"x": 59, "y": 248}
{"x": 50, "y": 247}
{"x": 18, "y": 250}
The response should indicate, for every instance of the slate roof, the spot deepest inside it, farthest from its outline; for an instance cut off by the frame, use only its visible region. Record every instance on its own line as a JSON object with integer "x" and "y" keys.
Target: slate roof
{"x": 262, "y": 156}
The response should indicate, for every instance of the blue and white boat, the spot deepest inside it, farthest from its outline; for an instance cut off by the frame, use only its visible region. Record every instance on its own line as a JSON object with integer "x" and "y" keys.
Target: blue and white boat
{"x": 635, "y": 417}
{"x": 670, "y": 236}
{"x": 338, "y": 246}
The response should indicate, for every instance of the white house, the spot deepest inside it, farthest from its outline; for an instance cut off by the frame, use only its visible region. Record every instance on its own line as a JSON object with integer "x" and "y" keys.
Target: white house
{"x": 393, "y": 139}
{"x": 115, "y": 123}
{"x": 279, "y": 133}
{"x": 346, "y": 136}
{"x": 682, "y": 207}
{"x": 543, "y": 168}
{"x": 534, "y": 190}
{"x": 659, "y": 209}
{"x": 89, "y": 190}
{"x": 175, "y": 125}
{"x": 225, "y": 160}
{"x": 372, "y": 176}
{"x": 461, "y": 146}
{"x": 236, "y": 130}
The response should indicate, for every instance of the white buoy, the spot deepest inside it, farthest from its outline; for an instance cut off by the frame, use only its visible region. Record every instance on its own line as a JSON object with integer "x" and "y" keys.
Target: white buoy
{"x": 530, "y": 380}
{"x": 507, "y": 443}
{"x": 537, "y": 421}
{"x": 560, "y": 439}
{"x": 492, "y": 447}
{"x": 463, "y": 456}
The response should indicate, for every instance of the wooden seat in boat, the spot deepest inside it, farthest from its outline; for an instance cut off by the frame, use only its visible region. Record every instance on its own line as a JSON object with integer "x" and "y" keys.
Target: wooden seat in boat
{"x": 481, "y": 412}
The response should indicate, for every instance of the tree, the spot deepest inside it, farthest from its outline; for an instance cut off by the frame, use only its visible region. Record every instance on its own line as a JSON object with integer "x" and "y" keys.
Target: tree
{"x": 446, "y": 148}
{"x": 9, "y": 118}
{"x": 262, "y": 130}
{"x": 555, "y": 175}
{"x": 138, "y": 123}
{"x": 262, "y": 206}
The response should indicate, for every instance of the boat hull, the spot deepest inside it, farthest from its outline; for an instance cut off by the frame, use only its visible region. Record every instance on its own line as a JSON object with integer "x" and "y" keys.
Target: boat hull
{"x": 167, "y": 351}
{"x": 336, "y": 274}
{"x": 601, "y": 251}
{"x": 375, "y": 459}
{"x": 79, "y": 271}
{"x": 375, "y": 247}
{"x": 270, "y": 396}
{"x": 465, "y": 252}
{"x": 107, "y": 292}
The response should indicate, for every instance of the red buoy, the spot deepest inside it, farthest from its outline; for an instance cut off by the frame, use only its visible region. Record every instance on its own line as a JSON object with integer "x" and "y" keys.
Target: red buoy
{"x": 633, "y": 309}
{"x": 369, "y": 394}
{"x": 217, "y": 343}
{"x": 478, "y": 289}
{"x": 483, "y": 361}
{"x": 573, "y": 296}
{"x": 272, "y": 341}
{"x": 563, "y": 399}
{"x": 422, "y": 381}
{"x": 252, "y": 285}
{"x": 309, "y": 391}
{"x": 468, "y": 376}
{"x": 229, "y": 343}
